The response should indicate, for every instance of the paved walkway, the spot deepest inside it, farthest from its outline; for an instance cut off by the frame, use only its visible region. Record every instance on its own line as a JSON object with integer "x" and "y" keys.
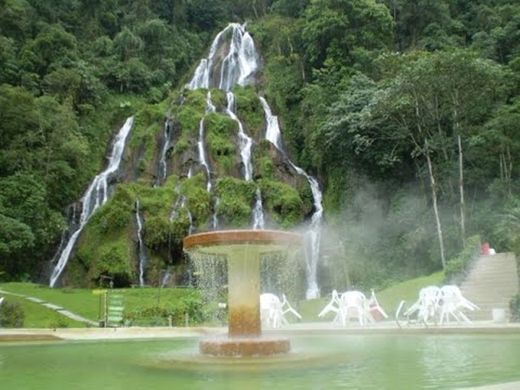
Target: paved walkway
{"x": 305, "y": 328}
{"x": 51, "y": 306}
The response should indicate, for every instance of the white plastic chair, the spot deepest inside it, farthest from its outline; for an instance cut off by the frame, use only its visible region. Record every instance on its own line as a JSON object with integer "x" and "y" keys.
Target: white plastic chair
{"x": 452, "y": 304}
{"x": 347, "y": 305}
{"x": 426, "y": 306}
{"x": 272, "y": 310}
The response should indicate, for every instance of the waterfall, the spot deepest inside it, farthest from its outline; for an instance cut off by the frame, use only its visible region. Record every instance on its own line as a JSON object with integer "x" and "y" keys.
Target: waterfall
{"x": 180, "y": 204}
{"x": 141, "y": 249}
{"x": 201, "y": 77}
{"x": 202, "y": 153}
{"x": 95, "y": 196}
{"x": 162, "y": 161}
{"x": 234, "y": 64}
{"x": 200, "y": 144}
{"x": 225, "y": 67}
{"x": 245, "y": 142}
{"x": 258, "y": 211}
{"x": 214, "y": 219}
{"x": 166, "y": 277}
{"x": 237, "y": 67}
{"x": 273, "y": 135}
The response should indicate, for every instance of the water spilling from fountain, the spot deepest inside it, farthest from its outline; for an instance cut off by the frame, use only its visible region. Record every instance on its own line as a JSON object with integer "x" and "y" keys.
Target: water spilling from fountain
{"x": 242, "y": 250}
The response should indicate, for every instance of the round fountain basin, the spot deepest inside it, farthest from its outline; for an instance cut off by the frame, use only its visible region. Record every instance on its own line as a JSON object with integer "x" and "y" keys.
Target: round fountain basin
{"x": 244, "y": 346}
{"x": 218, "y": 242}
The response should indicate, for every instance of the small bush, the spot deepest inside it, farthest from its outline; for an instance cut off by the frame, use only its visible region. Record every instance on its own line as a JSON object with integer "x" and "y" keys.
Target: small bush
{"x": 514, "y": 306}
{"x": 11, "y": 315}
{"x": 59, "y": 322}
{"x": 188, "y": 307}
{"x": 457, "y": 267}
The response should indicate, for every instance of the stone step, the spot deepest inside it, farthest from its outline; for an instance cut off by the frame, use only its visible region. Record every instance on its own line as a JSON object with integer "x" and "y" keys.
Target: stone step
{"x": 486, "y": 292}
{"x": 506, "y": 273}
{"x": 491, "y": 284}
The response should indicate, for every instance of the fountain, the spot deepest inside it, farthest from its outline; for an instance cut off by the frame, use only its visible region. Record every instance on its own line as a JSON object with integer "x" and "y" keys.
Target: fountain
{"x": 243, "y": 250}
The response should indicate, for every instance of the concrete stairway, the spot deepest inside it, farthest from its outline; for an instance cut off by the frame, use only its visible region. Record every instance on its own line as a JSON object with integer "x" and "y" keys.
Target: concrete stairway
{"x": 490, "y": 284}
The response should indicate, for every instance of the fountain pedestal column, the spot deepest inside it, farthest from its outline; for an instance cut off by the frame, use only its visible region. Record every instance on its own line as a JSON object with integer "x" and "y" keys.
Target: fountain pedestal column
{"x": 243, "y": 293}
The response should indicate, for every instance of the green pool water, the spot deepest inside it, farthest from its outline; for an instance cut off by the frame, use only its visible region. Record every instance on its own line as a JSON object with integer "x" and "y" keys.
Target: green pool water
{"x": 317, "y": 362}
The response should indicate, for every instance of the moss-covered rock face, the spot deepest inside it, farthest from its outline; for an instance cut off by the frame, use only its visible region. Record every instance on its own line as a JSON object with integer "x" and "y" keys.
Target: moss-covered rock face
{"x": 108, "y": 245}
{"x": 218, "y": 97}
{"x": 105, "y": 247}
{"x": 142, "y": 151}
{"x": 236, "y": 201}
{"x": 264, "y": 166}
{"x": 250, "y": 111}
{"x": 271, "y": 167}
{"x": 282, "y": 202}
{"x": 198, "y": 200}
{"x": 221, "y": 143}
{"x": 187, "y": 115}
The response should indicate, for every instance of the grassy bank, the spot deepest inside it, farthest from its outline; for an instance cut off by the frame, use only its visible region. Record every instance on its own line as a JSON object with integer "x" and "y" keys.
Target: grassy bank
{"x": 146, "y": 306}
{"x": 137, "y": 302}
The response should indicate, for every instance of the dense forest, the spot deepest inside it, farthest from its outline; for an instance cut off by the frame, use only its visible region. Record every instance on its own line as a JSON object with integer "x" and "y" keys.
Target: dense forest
{"x": 407, "y": 113}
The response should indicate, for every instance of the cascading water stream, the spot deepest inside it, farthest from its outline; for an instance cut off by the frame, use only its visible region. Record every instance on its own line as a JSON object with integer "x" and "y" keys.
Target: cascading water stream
{"x": 180, "y": 204}
{"x": 214, "y": 218}
{"x": 141, "y": 249}
{"x": 166, "y": 277}
{"x": 237, "y": 67}
{"x": 164, "y": 151}
{"x": 202, "y": 154}
{"x": 273, "y": 135}
{"x": 200, "y": 144}
{"x": 95, "y": 196}
{"x": 245, "y": 143}
{"x": 258, "y": 211}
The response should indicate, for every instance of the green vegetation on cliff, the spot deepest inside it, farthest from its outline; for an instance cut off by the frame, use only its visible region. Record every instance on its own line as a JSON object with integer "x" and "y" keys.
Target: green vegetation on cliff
{"x": 377, "y": 99}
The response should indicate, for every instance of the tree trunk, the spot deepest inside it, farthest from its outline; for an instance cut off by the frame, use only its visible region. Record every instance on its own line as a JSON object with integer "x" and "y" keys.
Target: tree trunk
{"x": 461, "y": 190}
{"x": 435, "y": 208}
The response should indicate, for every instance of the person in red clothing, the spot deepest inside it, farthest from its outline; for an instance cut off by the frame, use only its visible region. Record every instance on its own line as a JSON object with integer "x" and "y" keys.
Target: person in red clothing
{"x": 484, "y": 248}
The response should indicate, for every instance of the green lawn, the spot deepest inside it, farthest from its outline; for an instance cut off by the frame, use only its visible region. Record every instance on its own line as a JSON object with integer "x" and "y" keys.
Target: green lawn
{"x": 87, "y": 304}
{"x": 38, "y": 316}
{"x": 388, "y": 298}
{"x": 79, "y": 301}
{"x": 84, "y": 302}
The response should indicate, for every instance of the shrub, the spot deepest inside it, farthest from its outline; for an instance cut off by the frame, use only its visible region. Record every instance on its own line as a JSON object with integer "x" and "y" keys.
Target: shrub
{"x": 113, "y": 261}
{"x": 11, "y": 315}
{"x": 188, "y": 307}
{"x": 514, "y": 306}
{"x": 156, "y": 231}
{"x": 58, "y": 322}
{"x": 457, "y": 267}
{"x": 236, "y": 200}
{"x": 283, "y": 202}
